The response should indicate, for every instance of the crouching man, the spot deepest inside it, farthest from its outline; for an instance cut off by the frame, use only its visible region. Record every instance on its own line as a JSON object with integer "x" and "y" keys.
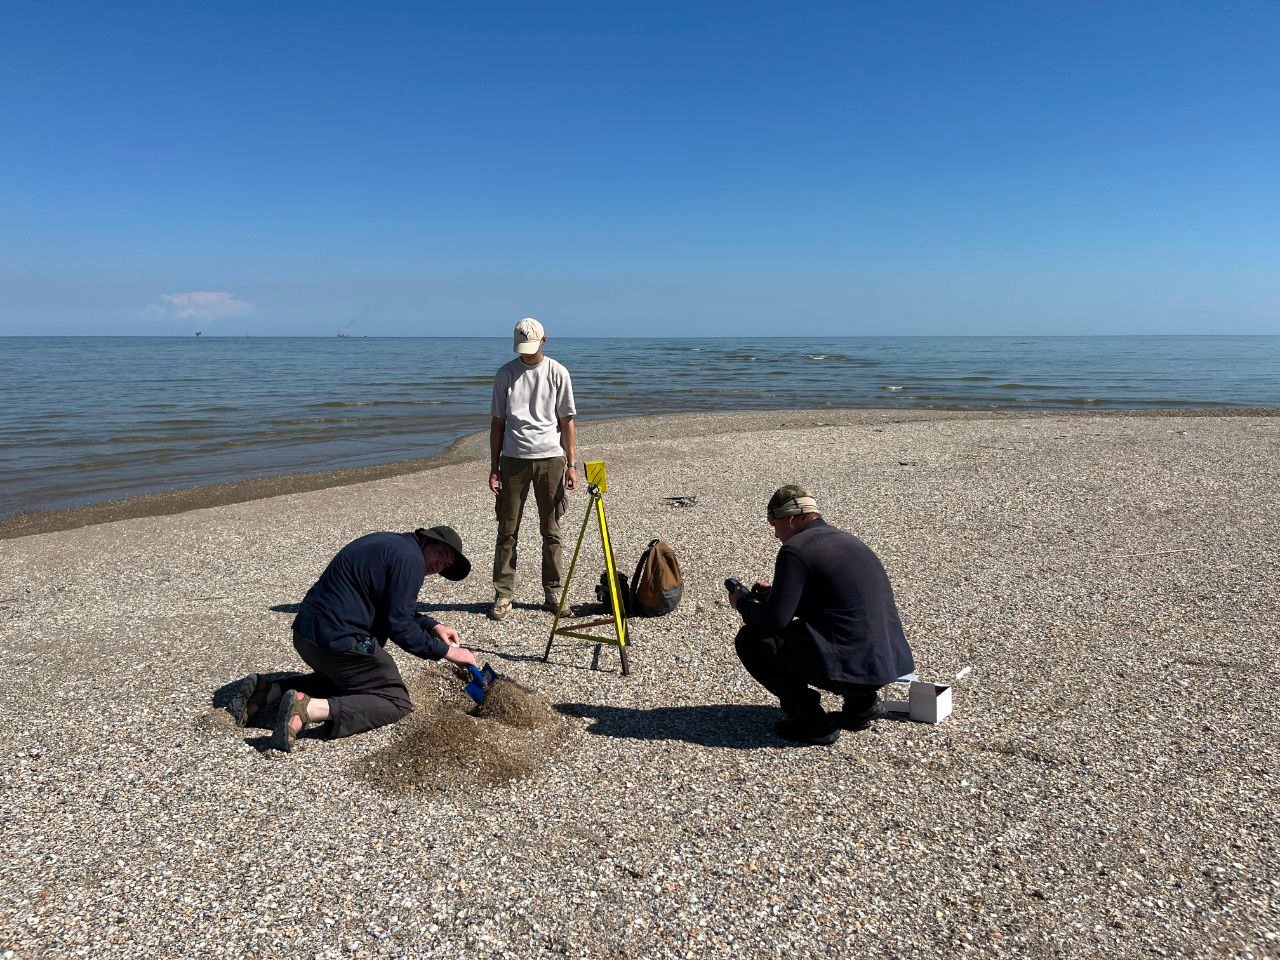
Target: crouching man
{"x": 828, "y": 621}
{"x": 365, "y": 597}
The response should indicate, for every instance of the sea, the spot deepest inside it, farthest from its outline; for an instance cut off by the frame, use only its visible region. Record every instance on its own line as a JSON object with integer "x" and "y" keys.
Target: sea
{"x": 87, "y": 419}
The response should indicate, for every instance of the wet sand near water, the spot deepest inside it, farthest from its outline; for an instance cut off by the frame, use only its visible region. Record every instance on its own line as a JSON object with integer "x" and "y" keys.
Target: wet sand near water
{"x": 474, "y": 447}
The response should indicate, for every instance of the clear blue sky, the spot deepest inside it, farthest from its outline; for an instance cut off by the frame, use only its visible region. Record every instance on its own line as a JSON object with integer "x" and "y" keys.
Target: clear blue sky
{"x": 639, "y": 169}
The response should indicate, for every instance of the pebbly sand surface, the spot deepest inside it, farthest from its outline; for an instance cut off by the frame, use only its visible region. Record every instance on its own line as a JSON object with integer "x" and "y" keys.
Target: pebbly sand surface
{"x": 1107, "y": 785}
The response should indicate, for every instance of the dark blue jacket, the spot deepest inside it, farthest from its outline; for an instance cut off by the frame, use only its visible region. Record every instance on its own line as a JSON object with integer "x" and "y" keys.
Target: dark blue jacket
{"x": 370, "y": 589}
{"x": 832, "y": 602}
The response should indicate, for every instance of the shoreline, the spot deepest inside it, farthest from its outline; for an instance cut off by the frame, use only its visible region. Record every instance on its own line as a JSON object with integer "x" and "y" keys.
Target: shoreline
{"x": 473, "y": 447}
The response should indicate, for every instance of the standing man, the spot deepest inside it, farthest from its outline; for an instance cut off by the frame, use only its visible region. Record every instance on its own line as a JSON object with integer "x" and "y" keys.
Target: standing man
{"x": 828, "y": 621}
{"x": 531, "y": 444}
{"x": 365, "y": 597}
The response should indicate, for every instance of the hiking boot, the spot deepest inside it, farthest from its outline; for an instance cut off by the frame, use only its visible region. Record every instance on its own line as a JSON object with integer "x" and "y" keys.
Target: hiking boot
{"x": 551, "y": 602}
{"x": 501, "y": 608}
{"x": 819, "y": 732}
{"x": 860, "y": 720}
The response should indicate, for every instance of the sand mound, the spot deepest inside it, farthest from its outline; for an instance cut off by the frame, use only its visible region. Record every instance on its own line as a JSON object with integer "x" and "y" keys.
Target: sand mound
{"x": 516, "y": 705}
{"x": 217, "y": 719}
{"x": 450, "y": 744}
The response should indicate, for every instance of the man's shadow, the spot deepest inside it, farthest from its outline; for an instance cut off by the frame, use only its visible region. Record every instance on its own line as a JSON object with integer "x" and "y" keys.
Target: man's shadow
{"x": 420, "y": 609}
{"x": 574, "y": 610}
{"x": 432, "y": 608}
{"x": 733, "y": 726}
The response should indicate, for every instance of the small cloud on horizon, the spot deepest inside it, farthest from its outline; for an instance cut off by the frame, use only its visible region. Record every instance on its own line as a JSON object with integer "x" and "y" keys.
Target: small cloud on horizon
{"x": 197, "y": 305}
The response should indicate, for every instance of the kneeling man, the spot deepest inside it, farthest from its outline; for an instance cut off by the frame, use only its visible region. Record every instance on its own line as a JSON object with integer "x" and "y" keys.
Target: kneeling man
{"x": 828, "y": 620}
{"x": 364, "y": 598}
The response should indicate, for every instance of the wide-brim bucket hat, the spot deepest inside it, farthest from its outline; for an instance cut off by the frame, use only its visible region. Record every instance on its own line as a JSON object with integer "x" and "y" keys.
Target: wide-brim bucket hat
{"x": 461, "y": 566}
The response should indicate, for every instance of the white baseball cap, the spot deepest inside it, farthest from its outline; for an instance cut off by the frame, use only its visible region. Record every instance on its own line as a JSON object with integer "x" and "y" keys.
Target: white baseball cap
{"x": 529, "y": 336}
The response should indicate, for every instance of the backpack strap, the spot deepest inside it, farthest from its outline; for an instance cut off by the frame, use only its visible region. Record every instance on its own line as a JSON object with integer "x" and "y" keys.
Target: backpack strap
{"x": 640, "y": 565}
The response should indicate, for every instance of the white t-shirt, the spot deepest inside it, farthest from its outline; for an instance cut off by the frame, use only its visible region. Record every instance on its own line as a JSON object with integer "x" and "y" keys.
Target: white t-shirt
{"x": 533, "y": 400}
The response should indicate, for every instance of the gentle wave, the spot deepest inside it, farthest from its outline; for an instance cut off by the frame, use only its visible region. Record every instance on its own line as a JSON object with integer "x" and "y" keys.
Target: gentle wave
{"x": 128, "y": 415}
{"x": 378, "y": 403}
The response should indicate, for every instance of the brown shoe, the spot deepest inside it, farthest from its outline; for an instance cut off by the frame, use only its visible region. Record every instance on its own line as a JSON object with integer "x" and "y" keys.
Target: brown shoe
{"x": 292, "y": 704}
{"x": 501, "y": 609}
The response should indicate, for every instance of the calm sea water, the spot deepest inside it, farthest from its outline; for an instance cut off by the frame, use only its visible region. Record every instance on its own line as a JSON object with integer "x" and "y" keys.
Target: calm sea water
{"x": 94, "y": 418}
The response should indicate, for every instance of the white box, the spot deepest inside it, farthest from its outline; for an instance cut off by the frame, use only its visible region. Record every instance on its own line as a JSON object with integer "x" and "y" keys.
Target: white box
{"x": 930, "y": 702}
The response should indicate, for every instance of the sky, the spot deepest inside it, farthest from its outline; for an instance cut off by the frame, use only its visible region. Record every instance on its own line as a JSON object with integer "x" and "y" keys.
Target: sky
{"x": 626, "y": 169}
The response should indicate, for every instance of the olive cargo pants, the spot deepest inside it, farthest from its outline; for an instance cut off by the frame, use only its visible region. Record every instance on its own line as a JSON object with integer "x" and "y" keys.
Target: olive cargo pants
{"x": 546, "y": 478}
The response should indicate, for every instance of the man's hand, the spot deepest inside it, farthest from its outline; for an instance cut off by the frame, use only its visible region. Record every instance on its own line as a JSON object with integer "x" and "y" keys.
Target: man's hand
{"x": 757, "y": 591}
{"x": 571, "y": 477}
{"x": 497, "y": 428}
{"x": 461, "y": 656}
{"x": 446, "y": 633}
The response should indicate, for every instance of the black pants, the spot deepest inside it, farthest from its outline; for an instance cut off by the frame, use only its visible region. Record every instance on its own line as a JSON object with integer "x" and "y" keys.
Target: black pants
{"x": 780, "y": 671}
{"x": 364, "y": 690}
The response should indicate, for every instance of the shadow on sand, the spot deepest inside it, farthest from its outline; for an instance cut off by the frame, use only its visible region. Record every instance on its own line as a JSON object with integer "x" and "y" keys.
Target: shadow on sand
{"x": 574, "y": 610}
{"x": 732, "y": 726}
{"x": 434, "y": 608}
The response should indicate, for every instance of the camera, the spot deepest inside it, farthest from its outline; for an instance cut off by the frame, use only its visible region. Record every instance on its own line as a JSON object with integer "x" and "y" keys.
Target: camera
{"x": 733, "y": 585}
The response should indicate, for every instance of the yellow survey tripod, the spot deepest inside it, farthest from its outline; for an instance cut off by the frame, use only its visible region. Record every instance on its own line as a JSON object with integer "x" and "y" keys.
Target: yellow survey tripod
{"x": 597, "y": 484}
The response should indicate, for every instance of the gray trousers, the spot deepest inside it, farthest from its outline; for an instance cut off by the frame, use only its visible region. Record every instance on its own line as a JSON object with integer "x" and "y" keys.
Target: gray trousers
{"x": 546, "y": 478}
{"x": 364, "y": 690}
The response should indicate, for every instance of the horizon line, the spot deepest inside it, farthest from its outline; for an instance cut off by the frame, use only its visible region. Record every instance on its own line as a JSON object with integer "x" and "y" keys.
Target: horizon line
{"x": 846, "y": 336}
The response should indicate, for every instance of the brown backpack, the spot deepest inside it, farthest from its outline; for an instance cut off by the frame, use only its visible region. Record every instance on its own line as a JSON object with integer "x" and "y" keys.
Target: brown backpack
{"x": 657, "y": 585}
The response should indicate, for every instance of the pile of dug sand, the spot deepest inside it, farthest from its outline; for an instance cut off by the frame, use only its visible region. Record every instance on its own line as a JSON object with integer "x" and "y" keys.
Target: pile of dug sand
{"x": 516, "y": 705}
{"x": 448, "y": 743}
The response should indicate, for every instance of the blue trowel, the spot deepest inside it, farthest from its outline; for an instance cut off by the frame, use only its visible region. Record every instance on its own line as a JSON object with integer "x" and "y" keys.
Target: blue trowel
{"x": 481, "y": 681}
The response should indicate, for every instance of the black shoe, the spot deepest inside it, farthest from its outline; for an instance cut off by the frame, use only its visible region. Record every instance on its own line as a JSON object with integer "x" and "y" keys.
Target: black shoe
{"x": 819, "y": 734}
{"x": 250, "y": 698}
{"x": 860, "y": 721}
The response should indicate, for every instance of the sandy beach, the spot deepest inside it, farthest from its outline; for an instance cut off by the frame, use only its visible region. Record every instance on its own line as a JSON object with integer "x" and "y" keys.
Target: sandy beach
{"x": 1107, "y": 785}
